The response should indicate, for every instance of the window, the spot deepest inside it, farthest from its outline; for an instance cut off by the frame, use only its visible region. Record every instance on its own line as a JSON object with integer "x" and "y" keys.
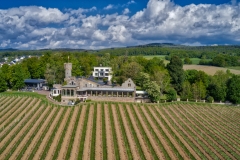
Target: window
{"x": 96, "y": 74}
{"x": 96, "y": 69}
{"x": 129, "y": 84}
{"x": 107, "y": 70}
{"x": 85, "y": 85}
{"x": 54, "y": 91}
{"x": 68, "y": 92}
{"x": 101, "y": 69}
{"x": 101, "y": 74}
{"x": 106, "y": 74}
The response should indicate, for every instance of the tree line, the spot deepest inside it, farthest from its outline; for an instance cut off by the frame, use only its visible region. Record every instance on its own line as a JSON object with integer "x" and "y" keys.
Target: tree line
{"x": 152, "y": 75}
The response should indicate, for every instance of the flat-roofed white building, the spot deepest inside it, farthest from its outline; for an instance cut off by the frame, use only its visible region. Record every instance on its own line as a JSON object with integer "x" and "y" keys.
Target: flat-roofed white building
{"x": 102, "y": 72}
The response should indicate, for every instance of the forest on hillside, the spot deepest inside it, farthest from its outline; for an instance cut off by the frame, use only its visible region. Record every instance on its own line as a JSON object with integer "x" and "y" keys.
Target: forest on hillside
{"x": 221, "y": 56}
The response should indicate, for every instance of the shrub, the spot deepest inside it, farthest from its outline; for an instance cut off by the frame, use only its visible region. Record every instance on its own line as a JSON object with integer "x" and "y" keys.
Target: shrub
{"x": 58, "y": 98}
{"x": 77, "y": 101}
{"x": 88, "y": 100}
{"x": 171, "y": 95}
{"x": 210, "y": 99}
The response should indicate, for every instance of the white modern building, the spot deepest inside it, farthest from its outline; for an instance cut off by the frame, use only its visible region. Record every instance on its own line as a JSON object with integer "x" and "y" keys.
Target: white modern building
{"x": 102, "y": 72}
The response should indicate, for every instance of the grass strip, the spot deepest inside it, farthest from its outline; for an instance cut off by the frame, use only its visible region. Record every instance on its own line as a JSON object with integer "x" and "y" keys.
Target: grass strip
{"x": 126, "y": 142}
{"x": 19, "y": 129}
{"x": 143, "y": 133}
{"x": 36, "y": 131}
{"x": 84, "y": 130}
{"x": 25, "y": 133}
{"x": 93, "y": 141}
{"x": 139, "y": 148}
{"x": 104, "y": 137}
{"x": 59, "y": 145}
{"x": 166, "y": 155}
{"x": 115, "y": 141}
{"x": 46, "y": 149}
{"x": 68, "y": 155}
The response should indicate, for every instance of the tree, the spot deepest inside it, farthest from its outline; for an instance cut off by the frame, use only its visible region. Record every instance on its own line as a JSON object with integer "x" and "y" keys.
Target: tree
{"x": 171, "y": 95}
{"x": 149, "y": 86}
{"x": 142, "y": 79}
{"x": 3, "y": 83}
{"x": 18, "y": 77}
{"x": 187, "y": 91}
{"x": 219, "y": 60}
{"x": 50, "y": 75}
{"x": 34, "y": 68}
{"x": 187, "y": 61}
{"x": 7, "y": 74}
{"x": 131, "y": 70}
{"x": 175, "y": 69}
{"x": 154, "y": 63}
{"x": 162, "y": 78}
{"x": 218, "y": 85}
{"x": 153, "y": 90}
{"x": 199, "y": 90}
{"x": 105, "y": 60}
{"x": 233, "y": 92}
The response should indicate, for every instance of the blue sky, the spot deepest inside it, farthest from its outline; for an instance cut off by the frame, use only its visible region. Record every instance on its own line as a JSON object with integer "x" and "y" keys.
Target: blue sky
{"x": 93, "y": 24}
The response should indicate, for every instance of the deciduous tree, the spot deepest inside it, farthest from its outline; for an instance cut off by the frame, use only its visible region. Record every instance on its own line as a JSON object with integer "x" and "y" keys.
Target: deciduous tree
{"x": 234, "y": 89}
{"x": 175, "y": 69}
{"x": 3, "y": 83}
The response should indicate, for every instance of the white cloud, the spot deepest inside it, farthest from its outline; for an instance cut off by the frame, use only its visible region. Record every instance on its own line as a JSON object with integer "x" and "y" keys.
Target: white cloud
{"x": 126, "y": 11}
{"x": 36, "y": 27}
{"x": 110, "y": 6}
{"x": 131, "y": 2}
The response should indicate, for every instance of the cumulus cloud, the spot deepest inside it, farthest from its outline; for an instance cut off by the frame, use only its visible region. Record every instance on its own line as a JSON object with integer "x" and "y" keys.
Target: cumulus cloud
{"x": 34, "y": 27}
{"x": 126, "y": 11}
{"x": 110, "y": 6}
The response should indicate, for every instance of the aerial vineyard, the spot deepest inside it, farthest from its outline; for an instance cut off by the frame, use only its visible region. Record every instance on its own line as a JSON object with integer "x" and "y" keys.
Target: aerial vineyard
{"x": 32, "y": 128}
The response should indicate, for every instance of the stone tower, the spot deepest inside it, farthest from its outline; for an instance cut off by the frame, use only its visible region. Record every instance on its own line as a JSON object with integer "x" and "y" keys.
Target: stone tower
{"x": 68, "y": 70}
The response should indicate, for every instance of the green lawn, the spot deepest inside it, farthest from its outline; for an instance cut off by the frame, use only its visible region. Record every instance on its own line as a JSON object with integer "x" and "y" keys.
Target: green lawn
{"x": 194, "y": 60}
{"x": 19, "y": 93}
{"x": 158, "y": 56}
{"x": 152, "y": 56}
{"x": 236, "y": 67}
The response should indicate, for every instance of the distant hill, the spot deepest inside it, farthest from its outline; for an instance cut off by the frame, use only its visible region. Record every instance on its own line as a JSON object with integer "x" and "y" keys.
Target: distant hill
{"x": 8, "y": 49}
{"x": 61, "y": 49}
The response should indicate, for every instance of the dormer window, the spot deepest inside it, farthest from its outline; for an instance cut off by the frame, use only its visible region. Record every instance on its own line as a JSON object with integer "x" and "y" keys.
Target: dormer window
{"x": 129, "y": 84}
